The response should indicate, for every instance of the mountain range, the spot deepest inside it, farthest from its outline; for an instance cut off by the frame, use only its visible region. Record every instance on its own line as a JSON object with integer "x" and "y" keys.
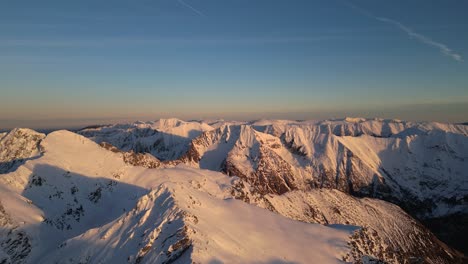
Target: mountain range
{"x": 213, "y": 191}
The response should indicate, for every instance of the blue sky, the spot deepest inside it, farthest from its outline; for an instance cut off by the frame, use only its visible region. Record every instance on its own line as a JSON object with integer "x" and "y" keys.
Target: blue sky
{"x": 80, "y": 62}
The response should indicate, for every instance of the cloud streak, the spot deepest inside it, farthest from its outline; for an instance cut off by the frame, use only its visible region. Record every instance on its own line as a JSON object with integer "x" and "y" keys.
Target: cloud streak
{"x": 444, "y": 49}
{"x": 423, "y": 39}
{"x": 191, "y": 8}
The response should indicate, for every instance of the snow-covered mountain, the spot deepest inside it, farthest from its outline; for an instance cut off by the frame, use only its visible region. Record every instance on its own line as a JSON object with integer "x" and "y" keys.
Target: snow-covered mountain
{"x": 171, "y": 191}
{"x": 166, "y": 139}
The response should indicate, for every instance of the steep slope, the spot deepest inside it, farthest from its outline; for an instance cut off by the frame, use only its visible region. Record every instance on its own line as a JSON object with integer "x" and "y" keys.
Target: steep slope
{"x": 17, "y": 146}
{"x": 166, "y": 139}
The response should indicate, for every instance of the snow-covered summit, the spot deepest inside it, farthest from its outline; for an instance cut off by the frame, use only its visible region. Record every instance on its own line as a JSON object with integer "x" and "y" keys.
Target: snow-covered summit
{"x": 166, "y": 139}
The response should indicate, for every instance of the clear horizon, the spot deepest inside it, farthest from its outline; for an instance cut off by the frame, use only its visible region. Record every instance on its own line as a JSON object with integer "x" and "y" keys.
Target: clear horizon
{"x": 72, "y": 64}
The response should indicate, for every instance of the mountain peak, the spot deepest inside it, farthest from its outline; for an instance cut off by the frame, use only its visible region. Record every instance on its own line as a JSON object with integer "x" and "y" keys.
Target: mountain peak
{"x": 168, "y": 122}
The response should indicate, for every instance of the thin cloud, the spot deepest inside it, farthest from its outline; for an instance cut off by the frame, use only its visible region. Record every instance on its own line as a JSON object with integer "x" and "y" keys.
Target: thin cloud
{"x": 444, "y": 49}
{"x": 191, "y": 8}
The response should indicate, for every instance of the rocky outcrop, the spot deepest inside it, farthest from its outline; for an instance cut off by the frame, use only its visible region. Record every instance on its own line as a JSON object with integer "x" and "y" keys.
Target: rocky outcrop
{"x": 272, "y": 175}
{"x": 17, "y": 146}
{"x": 135, "y": 159}
{"x": 15, "y": 245}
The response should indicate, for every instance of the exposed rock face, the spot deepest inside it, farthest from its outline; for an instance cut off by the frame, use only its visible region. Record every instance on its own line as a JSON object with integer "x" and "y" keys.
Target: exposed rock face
{"x": 17, "y": 146}
{"x": 272, "y": 175}
{"x": 200, "y": 144}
